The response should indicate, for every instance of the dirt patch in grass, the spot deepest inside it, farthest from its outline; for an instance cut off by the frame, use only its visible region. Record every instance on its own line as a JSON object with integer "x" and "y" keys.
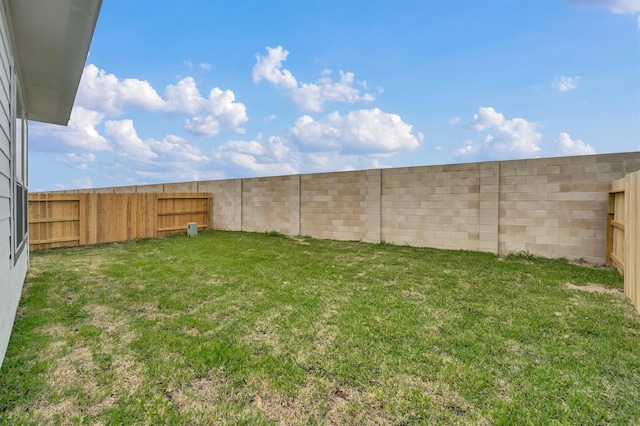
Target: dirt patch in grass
{"x": 322, "y": 400}
{"x": 450, "y": 402}
{"x": 104, "y": 319}
{"x": 75, "y": 370}
{"x": 595, "y": 288}
{"x": 66, "y": 409}
{"x": 200, "y": 394}
{"x": 206, "y": 400}
{"x": 301, "y": 240}
{"x": 151, "y": 312}
{"x": 266, "y": 331}
{"x": 75, "y": 373}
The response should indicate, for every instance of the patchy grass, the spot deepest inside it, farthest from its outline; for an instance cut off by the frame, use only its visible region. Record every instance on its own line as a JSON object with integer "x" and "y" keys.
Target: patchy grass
{"x": 239, "y": 328}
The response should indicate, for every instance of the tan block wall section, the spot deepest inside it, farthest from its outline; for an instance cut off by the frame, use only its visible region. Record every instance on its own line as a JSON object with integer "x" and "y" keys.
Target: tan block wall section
{"x": 549, "y": 207}
{"x": 271, "y": 204}
{"x": 373, "y": 202}
{"x": 488, "y": 214}
{"x": 435, "y": 206}
{"x": 556, "y": 207}
{"x": 181, "y": 187}
{"x": 334, "y": 205}
{"x": 227, "y": 203}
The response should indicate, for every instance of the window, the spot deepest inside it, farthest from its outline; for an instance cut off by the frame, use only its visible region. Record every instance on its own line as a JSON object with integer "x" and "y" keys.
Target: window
{"x": 21, "y": 199}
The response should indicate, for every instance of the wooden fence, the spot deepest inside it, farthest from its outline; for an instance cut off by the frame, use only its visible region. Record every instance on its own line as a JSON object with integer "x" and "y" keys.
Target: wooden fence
{"x": 623, "y": 233}
{"x": 63, "y": 220}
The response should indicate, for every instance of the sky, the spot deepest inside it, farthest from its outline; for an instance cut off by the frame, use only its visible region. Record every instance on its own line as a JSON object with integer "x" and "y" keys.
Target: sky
{"x": 185, "y": 90}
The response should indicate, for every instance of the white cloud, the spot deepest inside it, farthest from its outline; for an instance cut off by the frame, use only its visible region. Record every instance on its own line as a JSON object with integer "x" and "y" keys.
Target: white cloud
{"x": 81, "y": 133}
{"x": 275, "y": 158}
{"x": 183, "y": 97}
{"x": 250, "y": 162}
{"x": 279, "y": 149}
{"x": 506, "y": 139}
{"x": 367, "y": 132}
{"x": 565, "y": 84}
{"x": 207, "y": 125}
{"x": 454, "y": 121}
{"x": 222, "y": 105}
{"x": 615, "y": 6}
{"x": 171, "y": 152}
{"x": 83, "y": 183}
{"x": 307, "y": 96}
{"x": 129, "y": 145}
{"x": 202, "y": 66}
{"x": 469, "y": 150}
{"x": 245, "y": 147}
{"x": 331, "y": 161}
{"x": 565, "y": 146}
{"x": 312, "y": 96}
{"x": 174, "y": 149}
{"x": 107, "y": 95}
{"x": 79, "y": 161}
{"x": 269, "y": 68}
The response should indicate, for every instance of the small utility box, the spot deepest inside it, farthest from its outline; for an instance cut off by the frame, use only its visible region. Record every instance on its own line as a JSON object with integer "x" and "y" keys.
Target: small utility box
{"x": 192, "y": 229}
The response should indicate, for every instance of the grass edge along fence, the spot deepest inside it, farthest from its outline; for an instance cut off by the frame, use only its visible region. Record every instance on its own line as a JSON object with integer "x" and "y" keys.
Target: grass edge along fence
{"x": 623, "y": 233}
{"x": 64, "y": 220}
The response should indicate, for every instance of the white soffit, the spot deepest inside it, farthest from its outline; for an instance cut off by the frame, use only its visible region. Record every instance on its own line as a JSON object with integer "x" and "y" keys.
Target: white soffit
{"x": 51, "y": 39}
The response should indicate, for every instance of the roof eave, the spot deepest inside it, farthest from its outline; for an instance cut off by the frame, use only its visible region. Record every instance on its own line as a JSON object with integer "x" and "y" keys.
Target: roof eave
{"x": 51, "y": 40}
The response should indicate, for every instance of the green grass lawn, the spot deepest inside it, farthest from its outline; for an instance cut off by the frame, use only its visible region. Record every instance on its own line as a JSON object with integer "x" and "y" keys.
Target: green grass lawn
{"x": 241, "y": 328}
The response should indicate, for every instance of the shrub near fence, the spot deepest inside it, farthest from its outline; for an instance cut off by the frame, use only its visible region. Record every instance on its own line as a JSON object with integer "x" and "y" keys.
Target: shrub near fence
{"x": 623, "y": 233}
{"x": 63, "y": 220}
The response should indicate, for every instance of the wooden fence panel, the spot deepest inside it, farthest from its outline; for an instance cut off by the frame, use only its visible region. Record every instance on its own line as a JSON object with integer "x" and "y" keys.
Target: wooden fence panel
{"x": 623, "y": 233}
{"x": 615, "y": 225}
{"x": 632, "y": 239}
{"x": 60, "y": 220}
{"x": 173, "y": 211}
{"x": 54, "y": 220}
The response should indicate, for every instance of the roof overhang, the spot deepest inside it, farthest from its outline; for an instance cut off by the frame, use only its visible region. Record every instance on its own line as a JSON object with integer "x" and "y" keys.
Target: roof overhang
{"x": 51, "y": 41}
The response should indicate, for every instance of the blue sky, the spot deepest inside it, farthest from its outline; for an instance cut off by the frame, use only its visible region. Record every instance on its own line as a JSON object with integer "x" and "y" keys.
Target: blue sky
{"x": 197, "y": 90}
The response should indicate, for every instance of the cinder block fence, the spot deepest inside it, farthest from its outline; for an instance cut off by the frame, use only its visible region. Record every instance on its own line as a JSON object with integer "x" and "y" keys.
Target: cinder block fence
{"x": 549, "y": 206}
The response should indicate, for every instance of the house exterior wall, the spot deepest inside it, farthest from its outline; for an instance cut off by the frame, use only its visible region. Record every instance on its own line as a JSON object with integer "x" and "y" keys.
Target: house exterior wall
{"x": 13, "y": 262}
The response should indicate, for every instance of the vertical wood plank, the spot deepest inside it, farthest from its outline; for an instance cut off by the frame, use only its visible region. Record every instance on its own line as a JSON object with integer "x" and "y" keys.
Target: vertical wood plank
{"x": 82, "y": 219}
{"x": 632, "y": 238}
{"x": 609, "y": 235}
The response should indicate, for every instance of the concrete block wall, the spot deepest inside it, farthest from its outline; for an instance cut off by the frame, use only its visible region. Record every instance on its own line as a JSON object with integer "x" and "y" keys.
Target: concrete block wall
{"x": 436, "y": 206}
{"x": 548, "y": 206}
{"x": 334, "y": 205}
{"x": 557, "y": 206}
{"x": 271, "y": 204}
{"x": 227, "y": 203}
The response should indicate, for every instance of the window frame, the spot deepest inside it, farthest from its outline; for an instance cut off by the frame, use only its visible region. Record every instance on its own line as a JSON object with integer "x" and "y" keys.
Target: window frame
{"x": 20, "y": 173}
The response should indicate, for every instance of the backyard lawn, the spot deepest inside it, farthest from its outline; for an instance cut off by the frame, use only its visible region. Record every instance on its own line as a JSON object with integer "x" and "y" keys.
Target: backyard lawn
{"x": 242, "y": 328}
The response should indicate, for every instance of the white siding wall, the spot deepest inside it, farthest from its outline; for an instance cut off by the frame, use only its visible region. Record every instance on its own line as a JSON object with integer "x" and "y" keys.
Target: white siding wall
{"x": 11, "y": 276}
